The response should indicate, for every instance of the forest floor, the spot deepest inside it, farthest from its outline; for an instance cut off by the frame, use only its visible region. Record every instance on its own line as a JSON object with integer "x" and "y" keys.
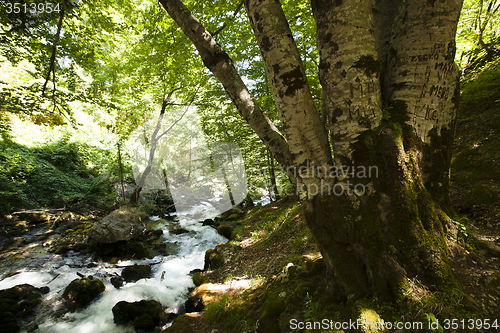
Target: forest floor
{"x": 246, "y": 280}
{"x": 475, "y": 194}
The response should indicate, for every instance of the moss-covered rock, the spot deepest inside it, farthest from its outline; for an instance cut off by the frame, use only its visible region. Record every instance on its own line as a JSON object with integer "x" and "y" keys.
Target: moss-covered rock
{"x": 180, "y": 325}
{"x": 18, "y": 302}
{"x": 13, "y": 227}
{"x": 233, "y": 213}
{"x": 220, "y": 255}
{"x": 8, "y": 322}
{"x": 80, "y": 292}
{"x": 199, "y": 279}
{"x": 209, "y": 222}
{"x": 74, "y": 238}
{"x": 133, "y": 249}
{"x": 143, "y": 315}
{"x": 194, "y": 303}
{"x": 122, "y": 224}
{"x": 225, "y": 230}
{"x": 35, "y": 217}
{"x": 117, "y": 282}
{"x": 136, "y": 272}
{"x": 168, "y": 249}
{"x": 365, "y": 311}
{"x": 178, "y": 231}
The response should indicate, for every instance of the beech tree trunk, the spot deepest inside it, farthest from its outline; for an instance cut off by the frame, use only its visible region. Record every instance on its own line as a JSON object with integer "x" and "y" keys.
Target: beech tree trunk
{"x": 377, "y": 205}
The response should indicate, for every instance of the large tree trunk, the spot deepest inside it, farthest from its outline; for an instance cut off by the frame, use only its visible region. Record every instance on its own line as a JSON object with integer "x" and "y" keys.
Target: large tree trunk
{"x": 390, "y": 85}
{"x": 373, "y": 242}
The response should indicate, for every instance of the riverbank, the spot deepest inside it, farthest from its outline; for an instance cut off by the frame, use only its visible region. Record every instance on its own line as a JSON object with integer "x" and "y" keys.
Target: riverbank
{"x": 274, "y": 275}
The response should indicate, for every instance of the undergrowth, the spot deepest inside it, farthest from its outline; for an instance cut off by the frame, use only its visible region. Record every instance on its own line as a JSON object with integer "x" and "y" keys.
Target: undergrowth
{"x": 53, "y": 174}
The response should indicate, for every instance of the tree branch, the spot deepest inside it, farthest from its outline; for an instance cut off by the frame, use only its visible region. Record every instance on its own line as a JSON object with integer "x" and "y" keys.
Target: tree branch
{"x": 52, "y": 67}
{"x": 221, "y": 65}
{"x": 232, "y": 18}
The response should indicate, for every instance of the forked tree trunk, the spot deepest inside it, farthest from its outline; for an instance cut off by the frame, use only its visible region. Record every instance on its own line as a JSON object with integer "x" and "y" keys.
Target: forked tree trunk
{"x": 391, "y": 92}
{"x": 393, "y": 231}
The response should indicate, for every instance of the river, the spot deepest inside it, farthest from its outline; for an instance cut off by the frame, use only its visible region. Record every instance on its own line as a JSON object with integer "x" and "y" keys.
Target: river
{"x": 168, "y": 285}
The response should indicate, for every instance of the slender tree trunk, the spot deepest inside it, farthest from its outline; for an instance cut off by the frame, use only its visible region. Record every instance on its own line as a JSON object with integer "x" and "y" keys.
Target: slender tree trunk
{"x": 272, "y": 176}
{"x": 121, "y": 169}
{"x": 52, "y": 66}
{"x": 153, "y": 141}
{"x": 216, "y": 60}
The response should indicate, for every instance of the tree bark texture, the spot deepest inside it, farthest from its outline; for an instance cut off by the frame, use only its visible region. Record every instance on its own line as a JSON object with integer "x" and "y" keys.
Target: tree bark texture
{"x": 349, "y": 70}
{"x": 391, "y": 92}
{"x": 286, "y": 72}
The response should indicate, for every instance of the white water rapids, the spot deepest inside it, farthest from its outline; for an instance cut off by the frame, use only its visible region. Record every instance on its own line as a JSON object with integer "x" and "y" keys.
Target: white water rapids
{"x": 171, "y": 291}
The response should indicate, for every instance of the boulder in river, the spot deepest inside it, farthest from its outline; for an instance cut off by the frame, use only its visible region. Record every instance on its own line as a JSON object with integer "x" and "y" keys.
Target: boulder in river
{"x": 18, "y": 302}
{"x": 179, "y": 231}
{"x": 133, "y": 249}
{"x": 136, "y": 272}
{"x": 80, "y": 292}
{"x": 143, "y": 315}
{"x": 117, "y": 281}
{"x": 225, "y": 230}
{"x": 210, "y": 222}
{"x": 122, "y": 224}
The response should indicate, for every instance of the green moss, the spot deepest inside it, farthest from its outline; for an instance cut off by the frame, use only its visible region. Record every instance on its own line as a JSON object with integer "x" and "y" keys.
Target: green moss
{"x": 180, "y": 325}
{"x": 274, "y": 305}
{"x": 268, "y": 322}
{"x": 232, "y": 314}
{"x": 144, "y": 322}
{"x": 18, "y": 302}
{"x": 143, "y": 315}
{"x": 481, "y": 91}
{"x": 365, "y": 310}
{"x": 483, "y": 195}
{"x": 199, "y": 279}
{"x": 398, "y": 111}
{"x": 80, "y": 292}
{"x": 225, "y": 230}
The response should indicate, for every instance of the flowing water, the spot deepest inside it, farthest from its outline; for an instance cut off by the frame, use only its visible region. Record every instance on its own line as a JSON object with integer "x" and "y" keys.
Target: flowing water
{"x": 169, "y": 283}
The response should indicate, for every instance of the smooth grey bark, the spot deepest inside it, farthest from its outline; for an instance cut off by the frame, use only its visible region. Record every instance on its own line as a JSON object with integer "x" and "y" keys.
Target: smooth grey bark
{"x": 421, "y": 84}
{"x": 422, "y": 77}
